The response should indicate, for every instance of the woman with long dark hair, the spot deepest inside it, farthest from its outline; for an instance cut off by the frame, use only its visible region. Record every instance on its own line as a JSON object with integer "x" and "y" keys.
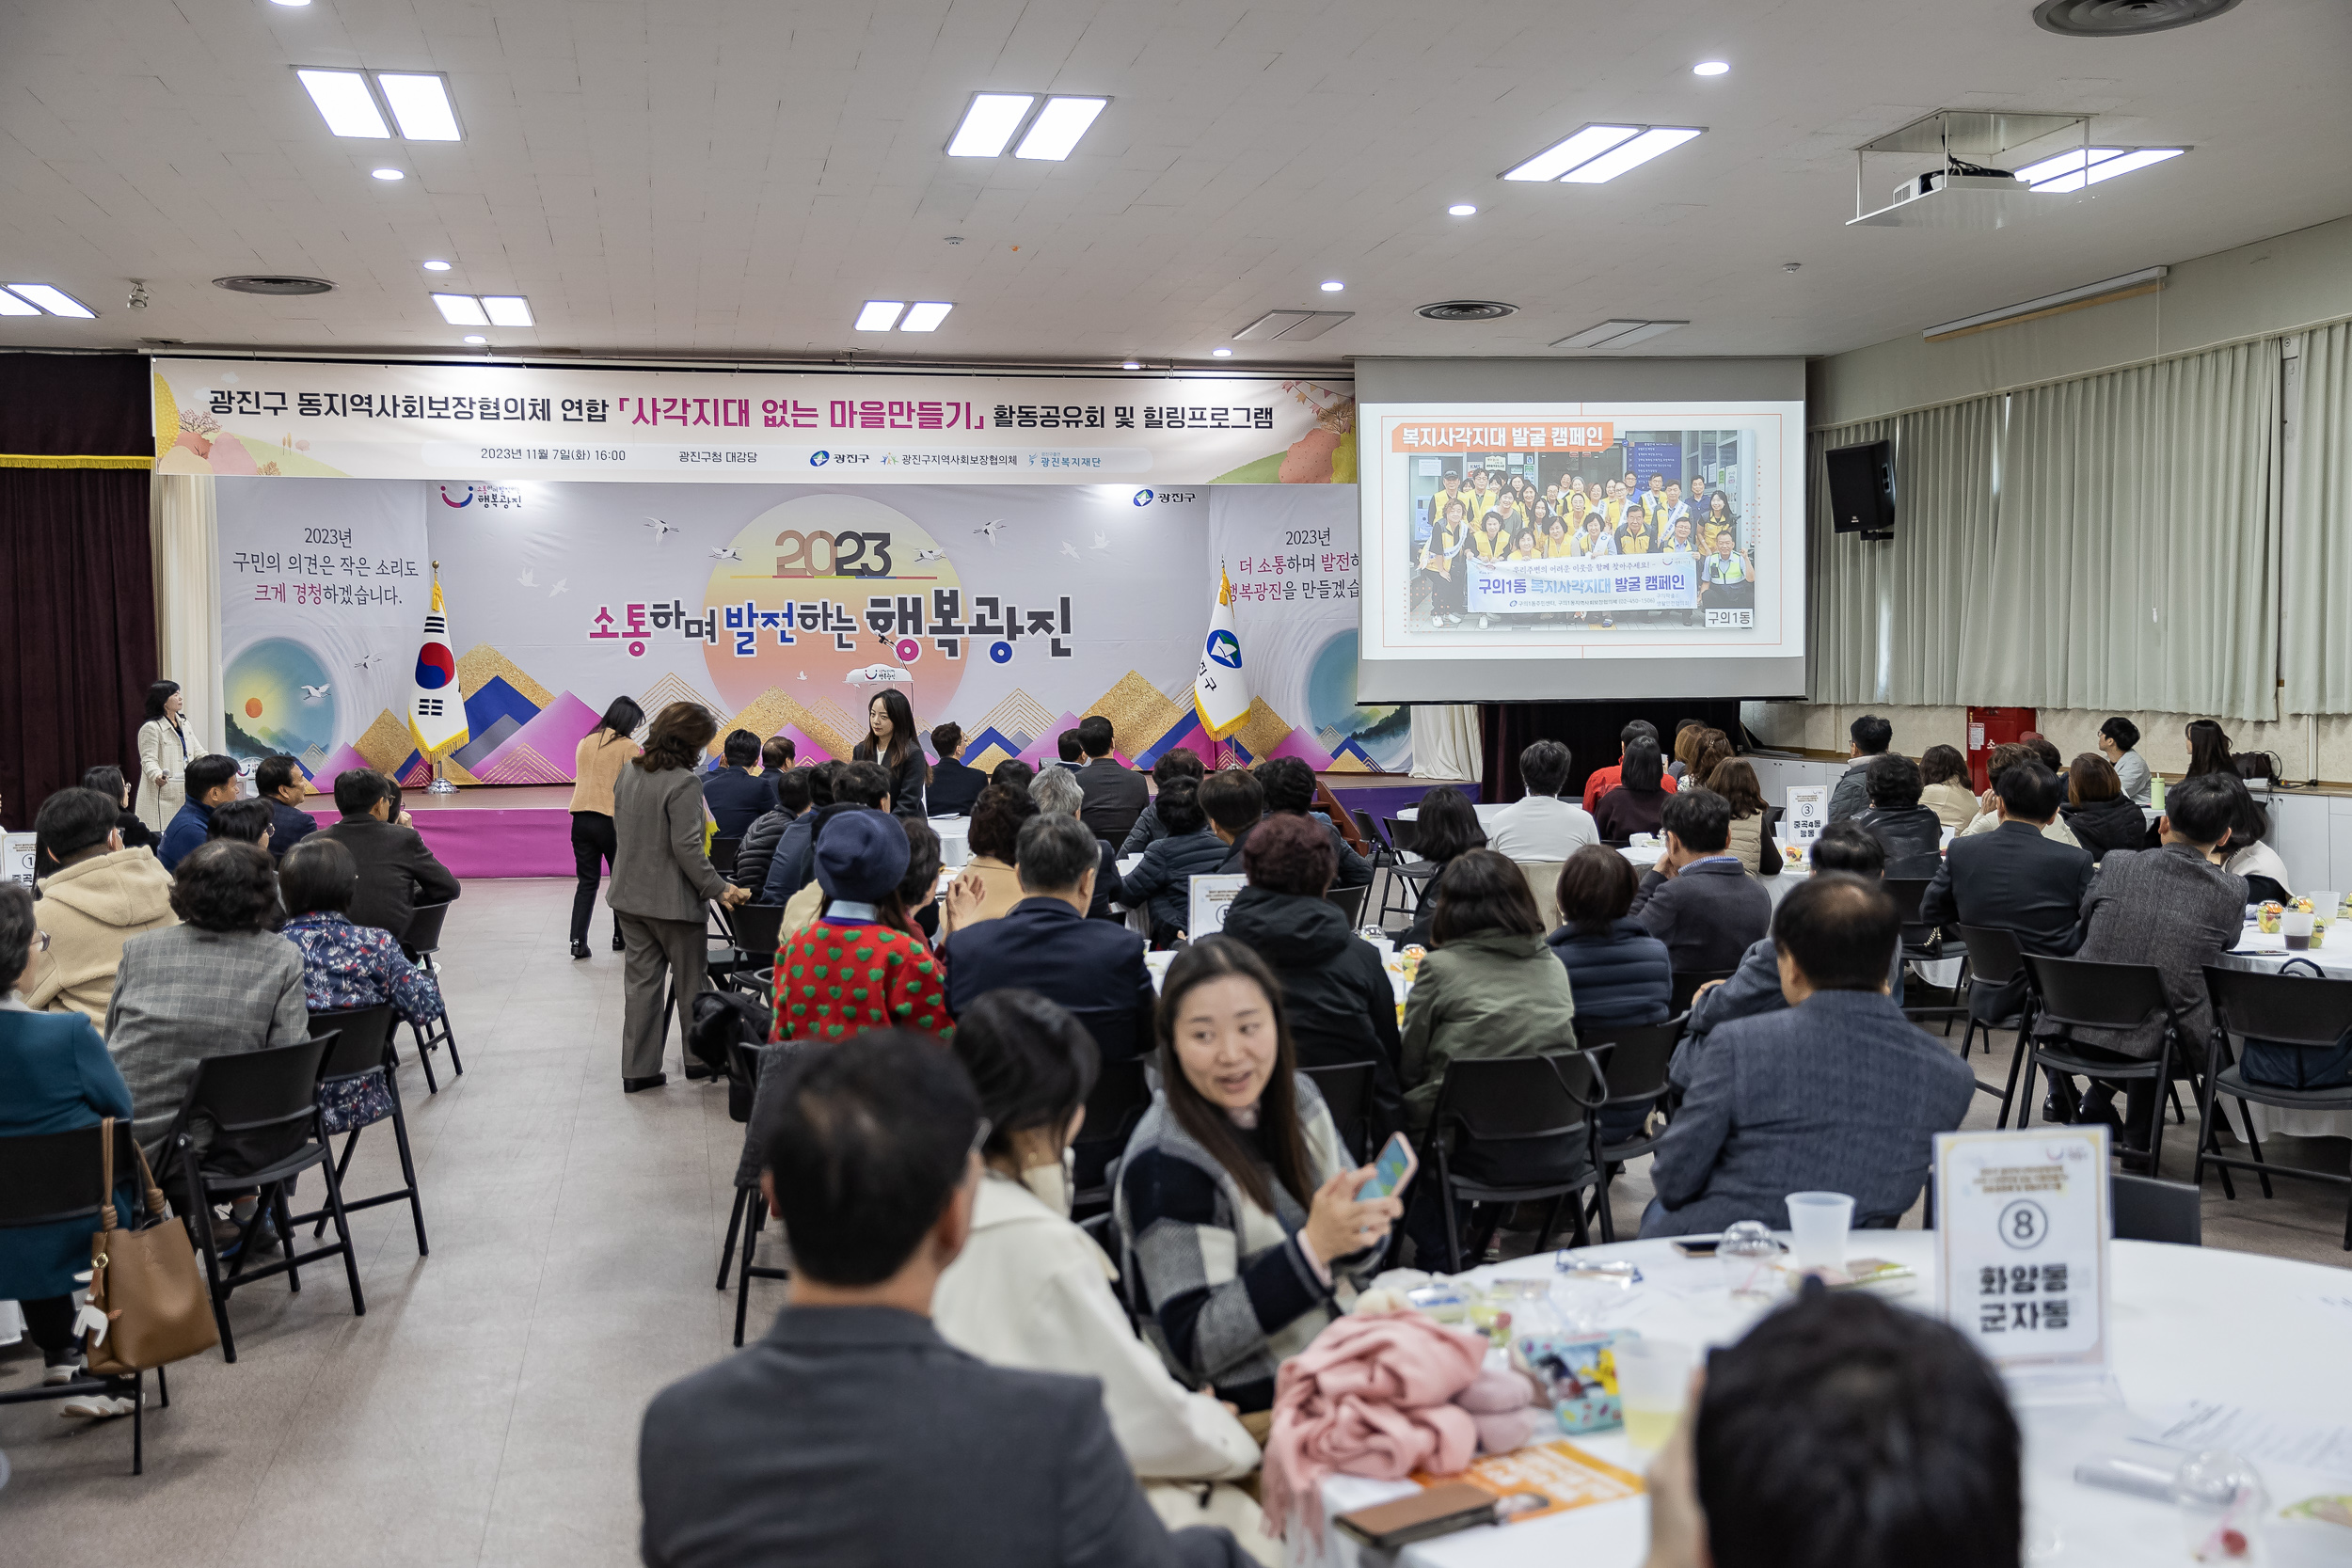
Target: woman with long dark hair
{"x": 661, "y": 882}
{"x": 1639, "y": 802}
{"x": 890, "y": 740}
{"x": 1445, "y": 824}
{"x": 1751, "y": 819}
{"x": 1236, "y": 1200}
{"x": 2208, "y": 749}
{"x": 596, "y": 766}
{"x": 166, "y": 742}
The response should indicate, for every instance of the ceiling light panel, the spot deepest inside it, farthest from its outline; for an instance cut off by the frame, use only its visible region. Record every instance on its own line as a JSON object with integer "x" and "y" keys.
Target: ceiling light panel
{"x": 55, "y": 300}
{"x": 1586, "y": 145}
{"x": 880, "y": 315}
{"x": 925, "y": 317}
{"x": 461, "y": 309}
{"x": 507, "y": 310}
{"x": 2078, "y": 166}
{"x": 421, "y": 106}
{"x": 11, "y": 306}
{"x": 989, "y": 125}
{"x": 345, "y": 103}
{"x": 1632, "y": 154}
{"x": 1059, "y": 126}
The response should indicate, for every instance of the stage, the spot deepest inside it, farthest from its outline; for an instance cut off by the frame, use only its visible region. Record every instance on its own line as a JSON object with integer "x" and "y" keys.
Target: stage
{"x": 526, "y": 830}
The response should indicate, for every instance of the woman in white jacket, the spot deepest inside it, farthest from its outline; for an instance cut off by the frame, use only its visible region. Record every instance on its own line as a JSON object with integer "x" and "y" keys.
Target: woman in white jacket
{"x": 1031, "y": 1290}
{"x": 166, "y": 744}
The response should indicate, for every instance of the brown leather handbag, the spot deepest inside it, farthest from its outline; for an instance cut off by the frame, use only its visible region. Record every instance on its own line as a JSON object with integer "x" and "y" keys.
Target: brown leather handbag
{"x": 147, "y": 1283}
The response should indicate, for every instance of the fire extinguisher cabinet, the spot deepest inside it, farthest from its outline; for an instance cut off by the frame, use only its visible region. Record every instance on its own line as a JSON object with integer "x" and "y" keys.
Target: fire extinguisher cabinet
{"x": 1989, "y": 727}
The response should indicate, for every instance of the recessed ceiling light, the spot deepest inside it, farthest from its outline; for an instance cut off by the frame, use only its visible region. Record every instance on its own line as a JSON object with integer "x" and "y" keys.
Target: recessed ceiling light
{"x": 421, "y": 104}
{"x": 55, "y": 300}
{"x": 990, "y": 123}
{"x": 1461, "y": 209}
{"x": 507, "y": 309}
{"x": 1222, "y": 352}
{"x": 11, "y": 306}
{"x": 1710, "y": 67}
{"x": 345, "y": 103}
{"x": 476, "y": 338}
{"x": 436, "y": 266}
{"x": 1599, "y": 152}
{"x": 1587, "y": 144}
{"x": 925, "y": 317}
{"x": 1131, "y": 364}
{"x": 1332, "y": 285}
{"x": 1641, "y": 149}
{"x": 389, "y": 173}
{"x": 295, "y": 4}
{"x": 1059, "y": 126}
{"x": 880, "y": 315}
{"x": 2078, "y": 166}
{"x": 461, "y": 309}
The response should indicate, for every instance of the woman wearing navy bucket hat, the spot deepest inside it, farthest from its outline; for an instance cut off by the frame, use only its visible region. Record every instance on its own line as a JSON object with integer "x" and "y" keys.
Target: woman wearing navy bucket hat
{"x": 863, "y": 964}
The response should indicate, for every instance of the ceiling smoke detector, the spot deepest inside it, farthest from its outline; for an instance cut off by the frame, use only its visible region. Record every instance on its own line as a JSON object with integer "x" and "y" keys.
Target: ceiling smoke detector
{"x": 2109, "y": 19}
{"x": 272, "y": 284}
{"x": 1467, "y": 311}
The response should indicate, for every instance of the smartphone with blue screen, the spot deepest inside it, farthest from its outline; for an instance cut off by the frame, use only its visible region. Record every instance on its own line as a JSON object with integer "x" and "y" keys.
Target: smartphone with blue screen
{"x": 1390, "y": 1171}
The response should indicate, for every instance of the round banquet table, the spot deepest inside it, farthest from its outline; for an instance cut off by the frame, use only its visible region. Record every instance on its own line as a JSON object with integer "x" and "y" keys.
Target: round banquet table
{"x": 955, "y": 839}
{"x": 2255, "y": 951}
{"x": 2186, "y": 1323}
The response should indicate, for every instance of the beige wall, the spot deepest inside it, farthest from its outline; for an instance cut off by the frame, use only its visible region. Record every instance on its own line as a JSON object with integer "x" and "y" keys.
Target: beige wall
{"x": 2275, "y": 285}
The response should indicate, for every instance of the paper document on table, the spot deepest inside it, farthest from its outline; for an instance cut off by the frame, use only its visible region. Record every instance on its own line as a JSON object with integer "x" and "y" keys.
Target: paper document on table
{"x": 2256, "y": 1434}
{"x": 1546, "y": 1478}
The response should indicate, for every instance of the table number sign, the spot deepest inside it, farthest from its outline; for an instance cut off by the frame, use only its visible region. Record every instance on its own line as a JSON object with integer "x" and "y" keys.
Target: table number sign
{"x": 1808, "y": 813}
{"x": 17, "y": 857}
{"x": 1211, "y": 897}
{"x": 2022, "y": 1245}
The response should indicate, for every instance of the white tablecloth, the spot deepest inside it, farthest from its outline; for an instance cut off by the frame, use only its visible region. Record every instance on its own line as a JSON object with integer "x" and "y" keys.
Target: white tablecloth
{"x": 955, "y": 839}
{"x": 2188, "y": 1324}
{"x": 1646, "y": 856}
{"x": 2256, "y": 951}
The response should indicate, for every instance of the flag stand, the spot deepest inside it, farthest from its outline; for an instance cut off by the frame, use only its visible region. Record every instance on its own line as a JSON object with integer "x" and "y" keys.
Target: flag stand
{"x": 440, "y": 784}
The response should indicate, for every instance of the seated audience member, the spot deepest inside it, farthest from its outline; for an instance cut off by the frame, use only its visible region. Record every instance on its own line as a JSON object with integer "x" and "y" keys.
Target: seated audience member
{"x": 1637, "y": 803}
{"x": 918, "y": 890}
{"x": 1754, "y": 986}
{"x": 2013, "y": 879}
{"x": 757, "y": 855}
{"x": 1012, "y": 771}
{"x": 1697, "y": 899}
{"x": 2174, "y": 907}
{"x": 1336, "y": 994}
{"x": 1289, "y": 790}
{"x": 2100, "y": 814}
{"x": 246, "y": 821}
{"x": 2209, "y": 749}
{"x": 1162, "y": 881}
{"x": 1944, "y": 787}
{"x": 2046, "y": 752}
{"x": 1752, "y": 822}
{"x": 1851, "y": 796}
{"x": 734, "y": 793}
{"x": 854, "y": 1432}
{"x": 1115, "y": 794}
{"x": 1712, "y": 749}
{"x": 212, "y": 783}
{"x": 1444, "y": 825}
{"x": 109, "y": 781}
{"x": 346, "y": 966}
{"x": 1603, "y": 780}
{"x": 1685, "y": 747}
{"x": 1839, "y": 1093}
{"x": 55, "y": 1077}
{"x": 789, "y": 868}
{"x": 220, "y": 983}
{"x": 1540, "y": 826}
{"x": 2119, "y": 742}
{"x": 1987, "y": 818}
{"x": 280, "y": 784}
{"x": 1618, "y": 974}
{"x": 1059, "y": 795}
{"x": 1914, "y": 836}
{"x": 856, "y": 786}
{"x": 2244, "y": 854}
{"x": 1177, "y": 762}
{"x": 1236, "y": 1202}
{"x": 397, "y": 873}
{"x": 1236, "y": 803}
{"x": 1843, "y": 1429}
{"x": 776, "y": 754}
{"x": 1045, "y": 943}
{"x": 991, "y": 883}
{"x": 954, "y": 786}
{"x": 862, "y": 924}
{"x": 102, "y": 896}
{"x": 1029, "y": 1288}
{"x": 1491, "y": 987}
{"x": 1072, "y": 751}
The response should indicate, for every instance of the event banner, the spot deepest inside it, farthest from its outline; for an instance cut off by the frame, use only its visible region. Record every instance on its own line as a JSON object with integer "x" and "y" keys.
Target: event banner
{"x": 1598, "y": 584}
{"x": 1013, "y": 611}
{"x": 299, "y": 418}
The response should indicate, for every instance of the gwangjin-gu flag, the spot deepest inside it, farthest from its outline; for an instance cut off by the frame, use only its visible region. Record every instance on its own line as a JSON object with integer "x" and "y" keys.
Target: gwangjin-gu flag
{"x": 1221, "y": 692}
{"x": 436, "y": 709}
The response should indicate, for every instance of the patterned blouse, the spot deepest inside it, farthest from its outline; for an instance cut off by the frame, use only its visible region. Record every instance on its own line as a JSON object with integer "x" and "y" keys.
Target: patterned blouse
{"x": 838, "y": 980}
{"x": 346, "y": 966}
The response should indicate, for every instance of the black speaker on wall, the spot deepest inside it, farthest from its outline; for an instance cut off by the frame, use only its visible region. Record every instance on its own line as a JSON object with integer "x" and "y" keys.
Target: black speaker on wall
{"x": 1862, "y": 489}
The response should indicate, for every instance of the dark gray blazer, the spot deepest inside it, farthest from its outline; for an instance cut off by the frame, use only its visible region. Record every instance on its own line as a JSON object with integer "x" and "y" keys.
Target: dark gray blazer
{"x": 1707, "y": 914}
{"x": 1840, "y": 1095}
{"x": 1115, "y": 796}
{"x": 1753, "y": 990}
{"x": 2011, "y": 880}
{"x": 2172, "y": 908}
{"x": 856, "y": 1437}
{"x": 660, "y": 871}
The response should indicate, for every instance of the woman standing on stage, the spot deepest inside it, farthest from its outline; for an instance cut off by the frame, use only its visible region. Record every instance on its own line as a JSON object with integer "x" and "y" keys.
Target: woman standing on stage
{"x": 595, "y": 765}
{"x": 890, "y": 739}
{"x": 166, "y": 744}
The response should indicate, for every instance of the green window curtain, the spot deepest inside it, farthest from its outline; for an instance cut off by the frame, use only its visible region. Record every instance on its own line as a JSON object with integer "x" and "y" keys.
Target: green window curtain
{"x": 2316, "y": 638}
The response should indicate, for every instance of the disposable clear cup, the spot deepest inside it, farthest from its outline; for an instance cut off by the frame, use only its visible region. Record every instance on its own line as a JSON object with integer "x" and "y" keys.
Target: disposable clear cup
{"x": 1818, "y": 1223}
{"x": 1653, "y": 1382}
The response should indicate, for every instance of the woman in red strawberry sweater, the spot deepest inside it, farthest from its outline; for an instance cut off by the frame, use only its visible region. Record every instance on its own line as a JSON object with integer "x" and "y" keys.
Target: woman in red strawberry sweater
{"x": 864, "y": 963}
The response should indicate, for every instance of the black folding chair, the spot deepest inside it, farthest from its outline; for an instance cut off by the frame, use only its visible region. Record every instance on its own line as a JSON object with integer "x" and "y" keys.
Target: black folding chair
{"x": 1382, "y": 856}
{"x": 1630, "y": 1063}
{"x": 1346, "y": 1091}
{"x": 47, "y": 1179}
{"x": 423, "y": 941}
{"x": 1923, "y": 943}
{"x": 2304, "y": 1014}
{"x": 1121, "y": 1093}
{"x": 2142, "y": 1209}
{"x": 748, "y": 948}
{"x": 1409, "y": 878}
{"x": 1350, "y": 901}
{"x": 1995, "y": 960}
{"x": 363, "y": 1049}
{"x": 262, "y": 1105}
{"x": 723, "y": 852}
{"x": 750, "y": 1214}
{"x": 1686, "y": 983}
{"x": 2080, "y": 993}
{"x": 1513, "y": 1130}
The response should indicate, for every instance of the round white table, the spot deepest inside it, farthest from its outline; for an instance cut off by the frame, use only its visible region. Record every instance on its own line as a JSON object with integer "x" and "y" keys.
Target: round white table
{"x": 2268, "y": 954}
{"x": 2187, "y": 1323}
{"x": 955, "y": 839}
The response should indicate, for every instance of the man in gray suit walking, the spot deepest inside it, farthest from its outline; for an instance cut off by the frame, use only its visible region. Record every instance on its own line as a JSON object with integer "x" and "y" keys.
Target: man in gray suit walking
{"x": 853, "y": 1435}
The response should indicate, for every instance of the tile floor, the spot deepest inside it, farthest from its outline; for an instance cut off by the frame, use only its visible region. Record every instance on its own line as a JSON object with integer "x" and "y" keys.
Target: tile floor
{"x": 486, "y": 1408}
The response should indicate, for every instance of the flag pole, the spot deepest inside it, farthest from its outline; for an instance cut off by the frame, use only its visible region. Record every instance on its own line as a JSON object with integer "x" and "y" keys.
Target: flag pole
{"x": 440, "y": 784}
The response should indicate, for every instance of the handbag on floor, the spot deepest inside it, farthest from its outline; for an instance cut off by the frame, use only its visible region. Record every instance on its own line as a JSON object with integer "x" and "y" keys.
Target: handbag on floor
{"x": 146, "y": 1282}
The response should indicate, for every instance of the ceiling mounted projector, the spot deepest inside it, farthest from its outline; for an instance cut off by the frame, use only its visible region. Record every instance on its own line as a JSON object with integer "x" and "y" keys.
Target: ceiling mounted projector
{"x": 2114, "y": 19}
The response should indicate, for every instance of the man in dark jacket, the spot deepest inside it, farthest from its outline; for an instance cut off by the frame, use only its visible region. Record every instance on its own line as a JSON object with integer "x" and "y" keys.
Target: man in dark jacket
{"x": 396, "y": 871}
{"x": 2013, "y": 879}
{"x": 278, "y": 783}
{"x": 1045, "y": 943}
{"x": 1236, "y": 804}
{"x": 1163, "y": 879}
{"x": 1290, "y": 787}
{"x": 757, "y": 854}
{"x": 1850, "y": 797}
{"x": 1115, "y": 795}
{"x": 794, "y": 862}
{"x": 953, "y": 787}
{"x": 1698, "y": 900}
{"x": 1914, "y": 836}
{"x": 1177, "y": 762}
{"x": 734, "y": 793}
{"x": 212, "y": 781}
{"x": 1336, "y": 994}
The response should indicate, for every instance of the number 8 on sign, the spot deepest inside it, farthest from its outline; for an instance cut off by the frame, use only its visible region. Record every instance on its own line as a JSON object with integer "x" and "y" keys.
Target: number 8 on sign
{"x": 2024, "y": 1225}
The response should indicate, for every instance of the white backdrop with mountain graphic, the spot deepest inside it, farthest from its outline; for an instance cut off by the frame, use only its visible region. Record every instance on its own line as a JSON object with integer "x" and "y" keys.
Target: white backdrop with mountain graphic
{"x": 1289, "y": 552}
{"x": 324, "y": 585}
